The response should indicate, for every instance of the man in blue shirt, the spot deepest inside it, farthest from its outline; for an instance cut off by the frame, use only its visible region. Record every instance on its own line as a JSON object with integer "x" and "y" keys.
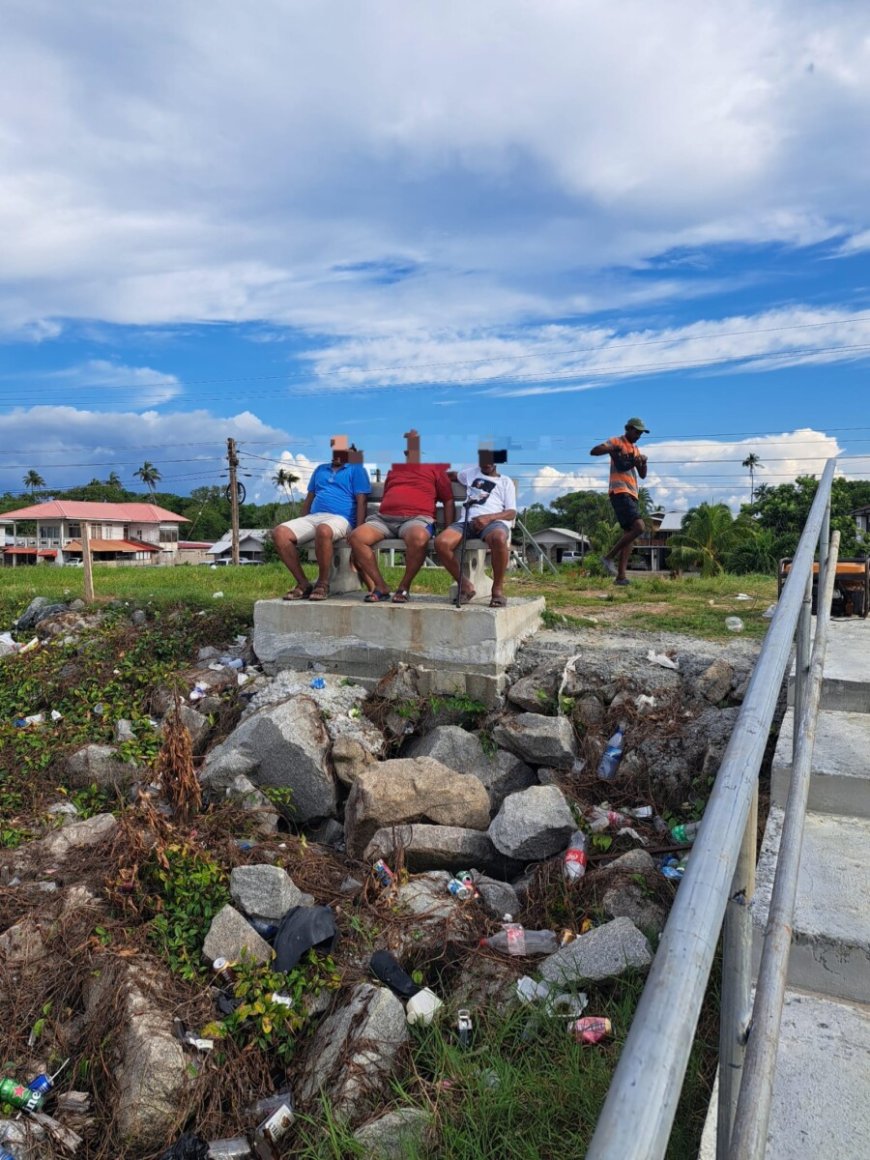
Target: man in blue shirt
{"x": 334, "y": 505}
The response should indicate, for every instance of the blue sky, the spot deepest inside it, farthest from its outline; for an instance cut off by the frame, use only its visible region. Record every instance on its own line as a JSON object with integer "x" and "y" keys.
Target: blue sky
{"x": 493, "y": 220}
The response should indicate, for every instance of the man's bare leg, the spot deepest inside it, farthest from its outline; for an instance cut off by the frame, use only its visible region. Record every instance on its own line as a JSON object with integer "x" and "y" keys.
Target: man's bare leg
{"x": 621, "y": 550}
{"x": 445, "y": 549}
{"x": 288, "y": 554}
{"x": 499, "y": 553}
{"x": 416, "y": 539}
{"x": 324, "y": 544}
{"x": 362, "y": 541}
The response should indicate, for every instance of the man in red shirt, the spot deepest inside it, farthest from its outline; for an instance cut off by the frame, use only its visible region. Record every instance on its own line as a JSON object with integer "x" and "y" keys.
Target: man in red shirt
{"x": 626, "y": 464}
{"x": 407, "y": 512}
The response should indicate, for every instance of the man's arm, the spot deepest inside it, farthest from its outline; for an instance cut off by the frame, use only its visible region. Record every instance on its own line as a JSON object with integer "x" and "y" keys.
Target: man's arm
{"x": 362, "y": 499}
{"x": 641, "y": 466}
{"x": 509, "y": 513}
{"x": 306, "y": 506}
{"x": 600, "y": 449}
{"x": 444, "y": 492}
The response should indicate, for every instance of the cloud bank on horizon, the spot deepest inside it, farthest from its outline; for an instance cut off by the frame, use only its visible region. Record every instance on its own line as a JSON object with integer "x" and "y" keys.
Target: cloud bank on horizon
{"x": 221, "y": 217}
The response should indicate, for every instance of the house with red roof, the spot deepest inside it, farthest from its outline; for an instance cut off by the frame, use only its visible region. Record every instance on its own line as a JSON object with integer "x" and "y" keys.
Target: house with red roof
{"x": 118, "y": 533}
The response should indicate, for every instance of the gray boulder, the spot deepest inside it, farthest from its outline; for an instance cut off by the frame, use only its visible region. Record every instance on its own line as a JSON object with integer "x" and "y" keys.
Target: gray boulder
{"x": 151, "y": 1073}
{"x": 263, "y": 816}
{"x": 98, "y": 830}
{"x": 715, "y": 683}
{"x": 439, "y": 848}
{"x": 197, "y": 725}
{"x": 284, "y": 745}
{"x": 533, "y": 825}
{"x": 502, "y": 773}
{"x": 38, "y": 609}
{"x": 395, "y": 1135}
{"x": 265, "y": 891}
{"x": 627, "y": 896}
{"x": 603, "y": 953}
{"x": 229, "y": 934}
{"x": 100, "y": 765}
{"x": 537, "y": 739}
{"x": 350, "y": 756}
{"x": 414, "y": 789}
{"x": 536, "y": 693}
{"x": 355, "y": 1053}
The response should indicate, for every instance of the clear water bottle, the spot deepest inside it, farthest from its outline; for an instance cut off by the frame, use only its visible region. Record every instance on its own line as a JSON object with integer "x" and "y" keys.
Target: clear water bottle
{"x": 611, "y": 757}
{"x": 576, "y": 857}
{"x": 514, "y": 939}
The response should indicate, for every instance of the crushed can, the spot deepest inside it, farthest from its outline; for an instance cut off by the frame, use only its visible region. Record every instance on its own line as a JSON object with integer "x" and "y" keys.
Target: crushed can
{"x": 460, "y": 890}
{"x": 383, "y": 873}
{"x": 590, "y": 1029}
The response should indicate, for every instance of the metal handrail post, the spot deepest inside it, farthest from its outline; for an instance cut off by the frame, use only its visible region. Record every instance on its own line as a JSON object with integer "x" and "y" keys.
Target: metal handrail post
{"x": 749, "y": 1139}
{"x": 824, "y": 546}
{"x": 736, "y": 1006}
{"x": 803, "y": 639}
{"x": 635, "y": 1122}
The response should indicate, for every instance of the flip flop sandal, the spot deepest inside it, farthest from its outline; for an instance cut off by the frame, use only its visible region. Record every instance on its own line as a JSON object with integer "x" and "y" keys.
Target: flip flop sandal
{"x": 299, "y": 593}
{"x": 376, "y": 597}
{"x": 498, "y": 602}
{"x": 318, "y": 592}
{"x": 401, "y": 596}
{"x": 467, "y": 597}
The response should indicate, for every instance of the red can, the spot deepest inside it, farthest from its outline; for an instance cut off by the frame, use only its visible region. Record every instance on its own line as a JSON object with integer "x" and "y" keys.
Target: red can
{"x": 590, "y": 1029}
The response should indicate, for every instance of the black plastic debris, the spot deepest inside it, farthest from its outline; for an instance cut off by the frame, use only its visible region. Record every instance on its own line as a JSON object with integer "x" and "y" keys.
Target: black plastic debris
{"x": 187, "y": 1147}
{"x": 302, "y": 929}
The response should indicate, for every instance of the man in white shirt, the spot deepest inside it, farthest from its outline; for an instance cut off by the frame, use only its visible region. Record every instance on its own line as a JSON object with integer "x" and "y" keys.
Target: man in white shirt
{"x": 490, "y": 518}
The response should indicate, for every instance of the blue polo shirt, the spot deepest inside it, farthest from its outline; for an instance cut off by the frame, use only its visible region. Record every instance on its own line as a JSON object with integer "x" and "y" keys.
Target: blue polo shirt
{"x": 335, "y": 491}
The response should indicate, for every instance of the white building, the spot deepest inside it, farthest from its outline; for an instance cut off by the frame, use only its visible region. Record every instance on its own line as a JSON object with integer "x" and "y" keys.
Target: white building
{"x": 118, "y": 533}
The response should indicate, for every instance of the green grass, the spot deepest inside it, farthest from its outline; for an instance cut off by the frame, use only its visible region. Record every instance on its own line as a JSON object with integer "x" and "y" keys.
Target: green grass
{"x": 694, "y": 605}
{"x": 523, "y": 1090}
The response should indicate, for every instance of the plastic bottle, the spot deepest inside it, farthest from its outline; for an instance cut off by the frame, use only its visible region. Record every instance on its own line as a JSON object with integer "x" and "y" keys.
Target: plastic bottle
{"x": 576, "y": 857}
{"x": 590, "y": 1029}
{"x": 685, "y": 833}
{"x": 611, "y": 756}
{"x": 601, "y": 819}
{"x": 515, "y": 940}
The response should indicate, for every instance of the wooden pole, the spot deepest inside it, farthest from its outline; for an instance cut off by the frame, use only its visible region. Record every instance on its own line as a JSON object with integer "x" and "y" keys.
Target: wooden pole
{"x": 86, "y": 561}
{"x": 233, "y": 460}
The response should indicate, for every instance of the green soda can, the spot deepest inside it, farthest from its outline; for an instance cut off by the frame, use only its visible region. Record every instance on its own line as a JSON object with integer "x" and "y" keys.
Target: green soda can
{"x": 20, "y": 1096}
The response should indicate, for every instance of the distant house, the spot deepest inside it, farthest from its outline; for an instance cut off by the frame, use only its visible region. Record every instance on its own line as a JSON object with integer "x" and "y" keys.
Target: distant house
{"x": 118, "y": 533}
{"x": 251, "y": 546}
{"x": 193, "y": 552}
{"x": 554, "y": 543}
{"x": 653, "y": 547}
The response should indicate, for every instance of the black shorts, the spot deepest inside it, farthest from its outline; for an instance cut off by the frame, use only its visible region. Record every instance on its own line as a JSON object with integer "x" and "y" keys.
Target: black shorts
{"x": 626, "y": 509}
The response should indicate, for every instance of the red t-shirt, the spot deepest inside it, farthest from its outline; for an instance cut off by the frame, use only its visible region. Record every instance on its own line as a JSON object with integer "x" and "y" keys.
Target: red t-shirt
{"x": 413, "y": 489}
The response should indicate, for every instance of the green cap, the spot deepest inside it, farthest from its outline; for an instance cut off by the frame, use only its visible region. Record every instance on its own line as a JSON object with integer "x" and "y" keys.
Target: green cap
{"x": 638, "y": 424}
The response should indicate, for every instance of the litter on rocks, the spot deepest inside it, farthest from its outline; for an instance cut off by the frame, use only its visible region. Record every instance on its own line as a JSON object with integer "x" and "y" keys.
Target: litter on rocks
{"x": 318, "y": 683}
{"x": 769, "y": 612}
{"x": 734, "y": 624}
{"x": 590, "y": 1029}
{"x": 662, "y": 660}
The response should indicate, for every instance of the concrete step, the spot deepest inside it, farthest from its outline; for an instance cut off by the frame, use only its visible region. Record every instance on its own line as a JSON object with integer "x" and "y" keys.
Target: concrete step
{"x": 840, "y": 778}
{"x": 846, "y": 684}
{"x": 830, "y": 950}
{"x": 821, "y": 1091}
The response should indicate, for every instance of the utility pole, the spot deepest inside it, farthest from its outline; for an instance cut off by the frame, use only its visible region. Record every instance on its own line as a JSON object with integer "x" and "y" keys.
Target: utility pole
{"x": 88, "y": 575}
{"x": 233, "y": 461}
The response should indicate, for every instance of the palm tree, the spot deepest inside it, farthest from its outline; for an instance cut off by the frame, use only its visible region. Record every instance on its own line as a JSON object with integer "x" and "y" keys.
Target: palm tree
{"x": 149, "y": 475}
{"x": 752, "y": 461}
{"x": 285, "y": 479}
{"x": 114, "y": 480}
{"x": 708, "y": 534}
{"x": 32, "y": 481}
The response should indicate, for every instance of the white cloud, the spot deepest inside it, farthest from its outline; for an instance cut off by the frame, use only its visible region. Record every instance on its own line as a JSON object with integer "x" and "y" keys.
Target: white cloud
{"x": 684, "y": 473}
{"x": 363, "y": 169}
{"x": 69, "y": 446}
{"x": 148, "y": 387}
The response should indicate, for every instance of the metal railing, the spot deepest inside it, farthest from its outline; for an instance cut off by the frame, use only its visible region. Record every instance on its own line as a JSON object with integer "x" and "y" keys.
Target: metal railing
{"x": 636, "y": 1120}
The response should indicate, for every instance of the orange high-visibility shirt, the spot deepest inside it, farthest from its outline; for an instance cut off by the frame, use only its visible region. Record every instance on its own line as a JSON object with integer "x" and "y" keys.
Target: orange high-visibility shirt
{"x": 623, "y": 460}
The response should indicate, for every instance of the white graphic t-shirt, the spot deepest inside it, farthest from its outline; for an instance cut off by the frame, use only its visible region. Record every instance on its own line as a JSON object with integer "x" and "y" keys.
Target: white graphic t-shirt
{"x": 497, "y": 493}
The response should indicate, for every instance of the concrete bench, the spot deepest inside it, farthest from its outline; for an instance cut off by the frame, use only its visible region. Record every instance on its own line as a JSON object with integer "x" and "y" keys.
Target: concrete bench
{"x": 344, "y": 578}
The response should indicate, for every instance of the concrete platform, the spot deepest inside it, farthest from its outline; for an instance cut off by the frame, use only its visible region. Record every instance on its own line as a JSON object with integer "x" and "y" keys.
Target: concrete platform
{"x": 821, "y": 1092}
{"x": 840, "y": 779}
{"x": 830, "y": 950}
{"x": 846, "y": 684}
{"x": 463, "y": 650}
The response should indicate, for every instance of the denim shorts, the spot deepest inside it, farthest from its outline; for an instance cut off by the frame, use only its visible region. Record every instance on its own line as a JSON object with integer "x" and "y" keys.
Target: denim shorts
{"x": 626, "y": 509}
{"x": 487, "y": 531}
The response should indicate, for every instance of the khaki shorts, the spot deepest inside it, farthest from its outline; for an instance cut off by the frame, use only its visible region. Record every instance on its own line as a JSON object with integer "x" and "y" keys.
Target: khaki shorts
{"x": 304, "y": 527}
{"x": 394, "y": 527}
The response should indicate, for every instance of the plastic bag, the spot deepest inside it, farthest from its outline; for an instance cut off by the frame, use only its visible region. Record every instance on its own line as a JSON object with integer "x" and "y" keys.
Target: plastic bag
{"x": 187, "y": 1147}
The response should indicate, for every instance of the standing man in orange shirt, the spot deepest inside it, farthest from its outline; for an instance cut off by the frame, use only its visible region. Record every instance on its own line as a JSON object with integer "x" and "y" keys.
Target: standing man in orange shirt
{"x": 626, "y": 464}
